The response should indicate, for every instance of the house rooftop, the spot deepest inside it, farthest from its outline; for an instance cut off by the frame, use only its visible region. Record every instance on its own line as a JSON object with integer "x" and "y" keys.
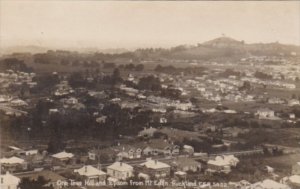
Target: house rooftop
{"x": 89, "y": 170}
{"x": 154, "y": 164}
{"x": 62, "y": 155}
{"x": 120, "y": 166}
{"x": 11, "y": 160}
{"x": 9, "y": 179}
{"x": 270, "y": 184}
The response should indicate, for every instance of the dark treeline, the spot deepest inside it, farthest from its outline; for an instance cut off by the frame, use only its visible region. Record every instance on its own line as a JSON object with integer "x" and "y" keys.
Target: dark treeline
{"x": 15, "y": 65}
{"x": 76, "y": 59}
{"x": 174, "y": 70}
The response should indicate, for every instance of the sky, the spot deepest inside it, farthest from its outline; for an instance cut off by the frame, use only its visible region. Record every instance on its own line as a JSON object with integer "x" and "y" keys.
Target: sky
{"x": 133, "y": 24}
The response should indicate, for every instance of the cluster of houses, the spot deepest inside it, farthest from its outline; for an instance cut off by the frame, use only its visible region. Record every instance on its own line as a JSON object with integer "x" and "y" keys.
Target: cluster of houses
{"x": 150, "y": 169}
{"x": 16, "y": 78}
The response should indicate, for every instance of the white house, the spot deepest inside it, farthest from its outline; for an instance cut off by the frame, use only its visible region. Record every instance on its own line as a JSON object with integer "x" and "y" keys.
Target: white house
{"x": 9, "y": 181}
{"x": 91, "y": 173}
{"x": 11, "y": 160}
{"x": 156, "y": 168}
{"x": 13, "y": 163}
{"x": 101, "y": 119}
{"x": 222, "y": 163}
{"x": 147, "y": 132}
{"x": 63, "y": 156}
{"x": 18, "y": 102}
{"x": 293, "y": 102}
{"x": 120, "y": 170}
{"x": 233, "y": 161}
{"x": 265, "y": 113}
{"x": 294, "y": 181}
{"x": 296, "y": 169}
{"x": 269, "y": 184}
{"x": 188, "y": 149}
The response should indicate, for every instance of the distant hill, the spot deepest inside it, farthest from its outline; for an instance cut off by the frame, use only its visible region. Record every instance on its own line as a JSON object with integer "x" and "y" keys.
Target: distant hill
{"x": 223, "y": 42}
{"x": 38, "y": 49}
{"x": 23, "y": 49}
{"x": 222, "y": 47}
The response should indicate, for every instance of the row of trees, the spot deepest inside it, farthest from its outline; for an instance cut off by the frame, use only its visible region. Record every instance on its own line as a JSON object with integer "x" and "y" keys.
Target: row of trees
{"x": 174, "y": 70}
{"x": 15, "y": 65}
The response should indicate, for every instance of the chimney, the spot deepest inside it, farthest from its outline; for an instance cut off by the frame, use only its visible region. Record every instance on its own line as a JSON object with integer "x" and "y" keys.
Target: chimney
{"x": 85, "y": 168}
{"x": 121, "y": 164}
{"x": 99, "y": 166}
{"x": 155, "y": 161}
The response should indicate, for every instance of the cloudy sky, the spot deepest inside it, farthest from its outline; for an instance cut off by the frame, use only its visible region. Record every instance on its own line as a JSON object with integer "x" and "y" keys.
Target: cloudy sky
{"x": 131, "y": 24}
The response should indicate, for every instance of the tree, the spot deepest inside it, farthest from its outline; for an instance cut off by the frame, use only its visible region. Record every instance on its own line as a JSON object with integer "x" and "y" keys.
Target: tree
{"x": 76, "y": 80}
{"x": 56, "y": 142}
{"x": 149, "y": 83}
{"x": 246, "y": 86}
{"x": 109, "y": 65}
{"x": 15, "y": 65}
{"x": 27, "y": 183}
{"x": 129, "y": 66}
{"x": 116, "y": 76}
{"x": 158, "y": 68}
{"x": 139, "y": 67}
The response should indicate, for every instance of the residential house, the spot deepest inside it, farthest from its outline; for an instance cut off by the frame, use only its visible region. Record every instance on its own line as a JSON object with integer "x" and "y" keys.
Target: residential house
{"x": 9, "y": 181}
{"x": 156, "y": 168}
{"x": 265, "y": 113}
{"x": 294, "y": 181}
{"x": 132, "y": 151}
{"x": 234, "y": 131}
{"x": 120, "y": 170}
{"x": 5, "y": 98}
{"x": 292, "y": 116}
{"x": 222, "y": 164}
{"x": 159, "y": 110}
{"x": 110, "y": 153}
{"x": 293, "y": 102}
{"x": 183, "y": 106}
{"x": 71, "y": 100}
{"x": 11, "y": 151}
{"x": 79, "y": 106}
{"x": 18, "y": 102}
{"x": 160, "y": 146}
{"x": 147, "y": 132}
{"x": 269, "y": 169}
{"x": 186, "y": 164}
{"x": 141, "y": 96}
{"x": 269, "y": 184}
{"x": 13, "y": 164}
{"x": 53, "y": 111}
{"x": 188, "y": 149}
{"x": 296, "y": 169}
{"x": 31, "y": 152}
{"x": 101, "y": 119}
{"x": 180, "y": 175}
{"x": 163, "y": 120}
{"x": 218, "y": 166}
{"x": 275, "y": 100}
{"x": 63, "y": 156}
{"x": 91, "y": 173}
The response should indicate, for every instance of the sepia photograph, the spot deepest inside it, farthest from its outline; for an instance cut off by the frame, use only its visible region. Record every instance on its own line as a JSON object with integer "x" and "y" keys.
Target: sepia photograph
{"x": 149, "y": 94}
